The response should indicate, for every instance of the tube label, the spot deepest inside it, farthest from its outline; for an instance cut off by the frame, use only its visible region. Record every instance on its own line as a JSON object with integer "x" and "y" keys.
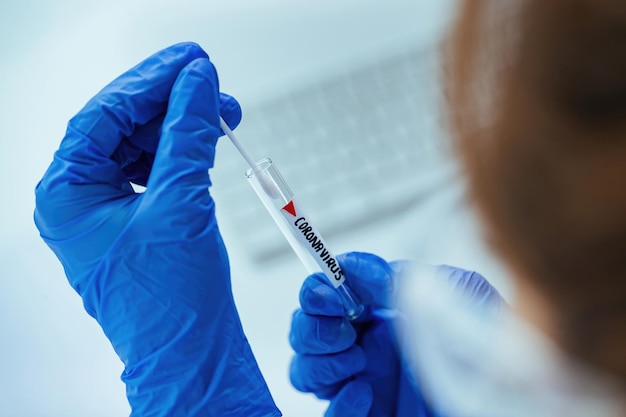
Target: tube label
{"x": 310, "y": 239}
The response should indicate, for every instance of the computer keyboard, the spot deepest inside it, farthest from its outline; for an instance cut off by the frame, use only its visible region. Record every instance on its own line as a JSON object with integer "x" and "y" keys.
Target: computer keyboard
{"x": 355, "y": 148}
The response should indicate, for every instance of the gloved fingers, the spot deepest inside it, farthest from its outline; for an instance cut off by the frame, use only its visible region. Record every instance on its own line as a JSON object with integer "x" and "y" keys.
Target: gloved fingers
{"x": 318, "y": 297}
{"x": 371, "y": 277}
{"x": 318, "y": 335}
{"x": 138, "y": 171}
{"x": 135, "y": 154}
{"x": 354, "y": 400}
{"x": 133, "y": 99}
{"x": 187, "y": 147}
{"x": 311, "y": 373}
{"x": 230, "y": 110}
{"x": 329, "y": 392}
{"x": 82, "y": 175}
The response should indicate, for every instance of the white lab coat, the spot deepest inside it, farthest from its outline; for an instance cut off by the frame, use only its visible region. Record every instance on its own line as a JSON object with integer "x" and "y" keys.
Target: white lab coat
{"x": 493, "y": 364}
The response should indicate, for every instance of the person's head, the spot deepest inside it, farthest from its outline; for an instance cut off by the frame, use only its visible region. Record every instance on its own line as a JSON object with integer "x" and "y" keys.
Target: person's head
{"x": 537, "y": 93}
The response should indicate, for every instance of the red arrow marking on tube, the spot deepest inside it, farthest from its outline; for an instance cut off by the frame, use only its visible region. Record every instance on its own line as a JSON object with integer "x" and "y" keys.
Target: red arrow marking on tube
{"x": 290, "y": 208}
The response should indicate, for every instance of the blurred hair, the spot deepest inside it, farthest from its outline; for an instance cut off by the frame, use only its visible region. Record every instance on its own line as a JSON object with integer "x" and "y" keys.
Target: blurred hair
{"x": 537, "y": 99}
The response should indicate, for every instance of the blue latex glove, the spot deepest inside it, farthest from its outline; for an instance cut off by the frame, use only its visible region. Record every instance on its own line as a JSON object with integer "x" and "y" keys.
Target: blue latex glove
{"x": 357, "y": 365}
{"x": 151, "y": 268}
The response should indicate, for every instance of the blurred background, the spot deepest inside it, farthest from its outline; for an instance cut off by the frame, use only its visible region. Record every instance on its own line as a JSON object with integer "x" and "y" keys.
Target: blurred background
{"x": 344, "y": 96}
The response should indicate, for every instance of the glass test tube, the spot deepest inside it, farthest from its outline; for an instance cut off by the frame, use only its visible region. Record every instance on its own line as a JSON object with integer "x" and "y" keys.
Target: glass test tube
{"x": 305, "y": 240}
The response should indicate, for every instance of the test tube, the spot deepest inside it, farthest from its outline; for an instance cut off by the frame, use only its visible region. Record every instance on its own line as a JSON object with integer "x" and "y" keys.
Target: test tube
{"x": 296, "y": 226}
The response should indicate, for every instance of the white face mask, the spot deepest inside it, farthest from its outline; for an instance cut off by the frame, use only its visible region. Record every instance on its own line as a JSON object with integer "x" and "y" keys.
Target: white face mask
{"x": 488, "y": 363}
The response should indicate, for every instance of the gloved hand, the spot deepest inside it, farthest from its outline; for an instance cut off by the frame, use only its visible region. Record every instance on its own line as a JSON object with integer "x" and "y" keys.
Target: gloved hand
{"x": 357, "y": 365}
{"x": 151, "y": 268}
